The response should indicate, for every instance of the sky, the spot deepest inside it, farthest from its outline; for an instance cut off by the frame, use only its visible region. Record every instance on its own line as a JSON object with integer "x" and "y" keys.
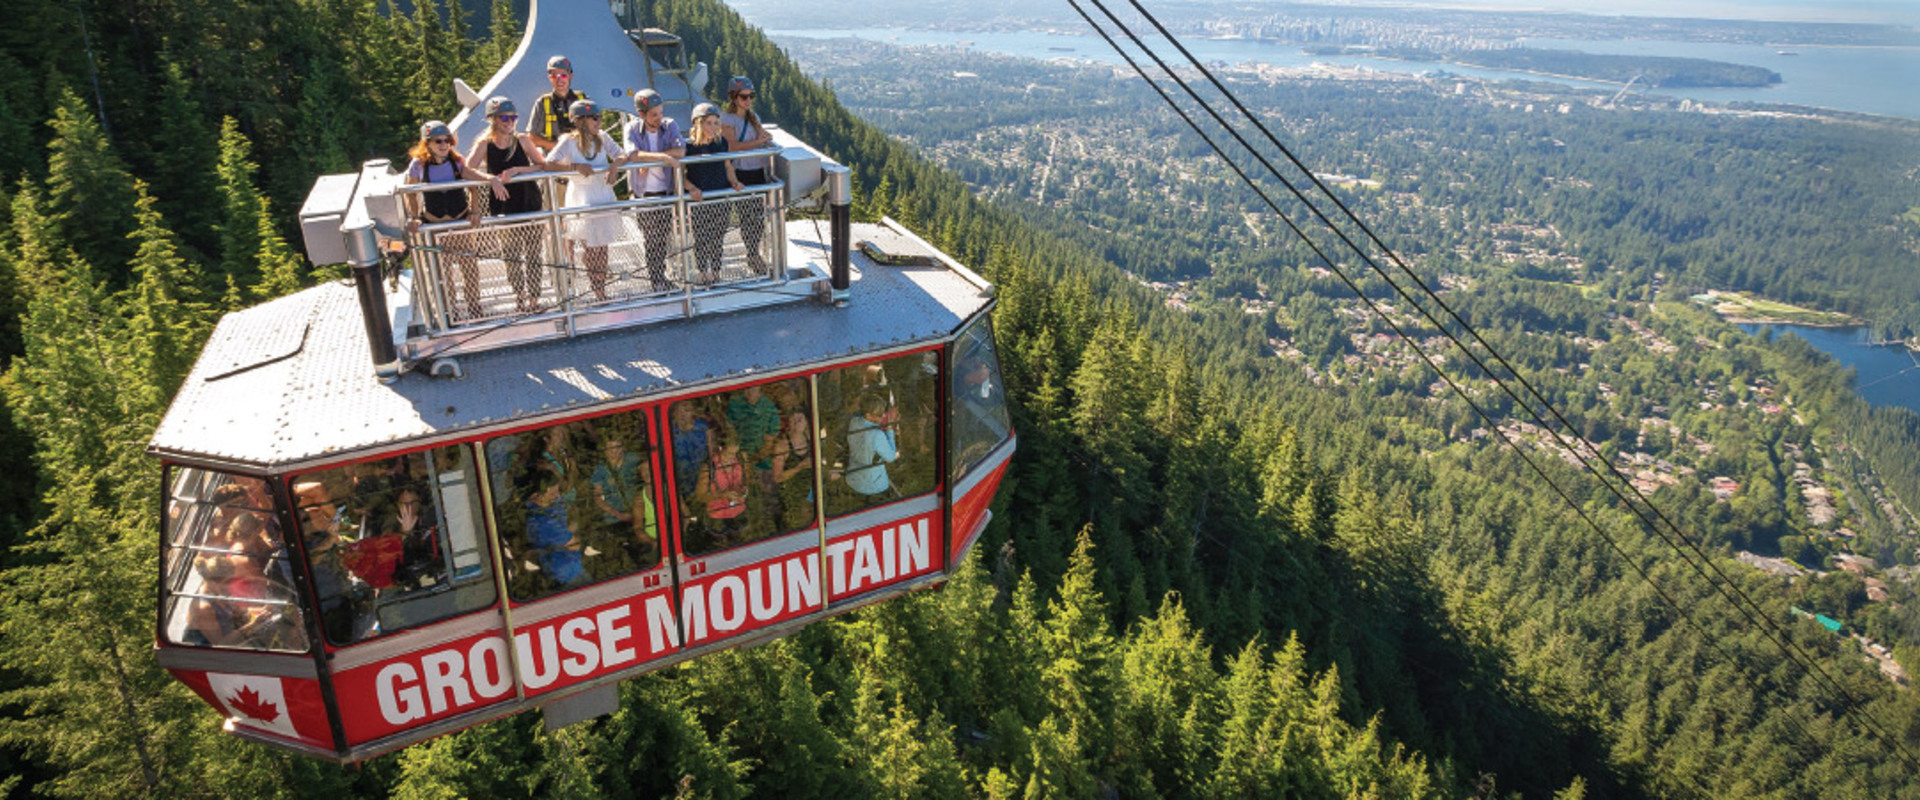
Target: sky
{"x": 1904, "y": 12}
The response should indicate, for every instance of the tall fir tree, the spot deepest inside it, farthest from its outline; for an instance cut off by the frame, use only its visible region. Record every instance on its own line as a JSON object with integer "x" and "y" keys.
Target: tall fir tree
{"x": 241, "y": 209}
{"x": 87, "y": 202}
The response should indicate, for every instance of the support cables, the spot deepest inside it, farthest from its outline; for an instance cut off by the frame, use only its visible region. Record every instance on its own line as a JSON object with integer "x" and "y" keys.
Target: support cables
{"x": 1585, "y": 453}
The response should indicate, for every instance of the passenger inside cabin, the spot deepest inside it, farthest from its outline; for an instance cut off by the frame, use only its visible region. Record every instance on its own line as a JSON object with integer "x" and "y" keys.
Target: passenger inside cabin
{"x": 721, "y": 492}
{"x": 756, "y": 419}
{"x": 621, "y": 490}
{"x": 230, "y": 613}
{"x": 345, "y": 601}
{"x": 550, "y": 120}
{"x": 871, "y": 446}
{"x": 710, "y": 221}
{"x": 791, "y": 465}
{"x": 553, "y": 548}
{"x": 690, "y": 442}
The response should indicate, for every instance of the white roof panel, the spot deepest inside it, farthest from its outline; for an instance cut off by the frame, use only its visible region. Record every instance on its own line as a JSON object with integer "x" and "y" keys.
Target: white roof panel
{"x": 243, "y": 405}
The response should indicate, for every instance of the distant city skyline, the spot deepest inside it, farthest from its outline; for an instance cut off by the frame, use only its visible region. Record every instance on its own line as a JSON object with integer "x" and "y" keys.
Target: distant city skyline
{"x": 1901, "y": 12}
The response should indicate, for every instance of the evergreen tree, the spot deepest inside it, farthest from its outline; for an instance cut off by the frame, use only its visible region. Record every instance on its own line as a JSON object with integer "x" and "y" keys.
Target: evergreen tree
{"x": 180, "y": 178}
{"x": 242, "y": 208}
{"x": 86, "y": 201}
{"x": 165, "y": 324}
{"x": 281, "y": 269}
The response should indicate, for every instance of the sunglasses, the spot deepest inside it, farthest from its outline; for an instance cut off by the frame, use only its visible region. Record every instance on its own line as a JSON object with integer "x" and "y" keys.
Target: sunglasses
{"x": 441, "y": 140}
{"x": 744, "y": 95}
{"x": 557, "y": 74}
{"x": 507, "y": 117}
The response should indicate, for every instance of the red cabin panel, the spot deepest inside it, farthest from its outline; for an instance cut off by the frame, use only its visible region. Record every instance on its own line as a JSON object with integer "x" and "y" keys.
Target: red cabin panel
{"x": 749, "y": 597}
{"x": 970, "y": 509}
{"x": 440, "y": 682}
{"x": 288, "y": 708}
{"x": 897, "y": 550}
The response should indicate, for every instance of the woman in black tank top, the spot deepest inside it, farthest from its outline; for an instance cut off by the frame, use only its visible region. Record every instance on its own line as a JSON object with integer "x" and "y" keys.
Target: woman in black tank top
{"x": 510, "y": 155}
{"x": 434, "y": 160}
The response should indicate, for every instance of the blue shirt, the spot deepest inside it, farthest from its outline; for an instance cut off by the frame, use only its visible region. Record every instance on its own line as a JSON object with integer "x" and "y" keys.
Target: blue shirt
{"x": 871, "y": 448}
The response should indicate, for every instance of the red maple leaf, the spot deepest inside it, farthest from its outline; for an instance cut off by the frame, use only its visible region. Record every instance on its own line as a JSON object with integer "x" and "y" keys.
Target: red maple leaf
{"x": 248, "y": 703}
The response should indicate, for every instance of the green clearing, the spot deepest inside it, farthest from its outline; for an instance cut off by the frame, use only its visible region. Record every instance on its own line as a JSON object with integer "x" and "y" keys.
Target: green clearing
{"x": 1742, "y": 307}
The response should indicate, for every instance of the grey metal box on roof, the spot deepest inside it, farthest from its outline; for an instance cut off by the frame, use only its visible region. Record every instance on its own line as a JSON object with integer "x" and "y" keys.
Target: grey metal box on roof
{"x": 256, "y": 398}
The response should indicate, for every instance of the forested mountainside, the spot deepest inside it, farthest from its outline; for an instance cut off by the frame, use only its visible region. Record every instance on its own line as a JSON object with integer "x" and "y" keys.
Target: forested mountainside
{"x": 1204, "y": 579}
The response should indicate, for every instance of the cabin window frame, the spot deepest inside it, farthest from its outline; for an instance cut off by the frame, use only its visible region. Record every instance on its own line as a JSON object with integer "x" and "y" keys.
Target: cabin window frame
{"x": 170, "y": 577}
{"x": 647, "y": 415}
{"x": 434, "y": 483}
{"x": 967, "y": 345}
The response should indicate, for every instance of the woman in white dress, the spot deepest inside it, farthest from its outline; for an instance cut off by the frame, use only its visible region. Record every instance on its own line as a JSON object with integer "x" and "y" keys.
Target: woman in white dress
{"x": 592, "y": 153}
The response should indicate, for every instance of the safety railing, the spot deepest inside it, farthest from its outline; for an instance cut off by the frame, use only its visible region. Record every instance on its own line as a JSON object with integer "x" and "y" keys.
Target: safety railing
{"x": 563, "y": 260}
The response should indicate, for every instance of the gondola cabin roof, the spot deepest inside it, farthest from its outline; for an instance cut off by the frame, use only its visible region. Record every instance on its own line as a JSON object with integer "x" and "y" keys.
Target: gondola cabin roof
{"x": 287, "y": 383}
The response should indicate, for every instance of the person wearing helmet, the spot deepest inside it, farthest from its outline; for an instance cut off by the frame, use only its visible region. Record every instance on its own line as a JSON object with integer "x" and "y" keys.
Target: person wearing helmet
{"x": 654, "y": 140}
{"x": 550, "y": 119}
{"x": 434, "y": 160}
{"x": 744, "y": 132}
{"x": 508, "y": 155}
{"x": 709, "y": 221}
{"x": 590, "y": 152}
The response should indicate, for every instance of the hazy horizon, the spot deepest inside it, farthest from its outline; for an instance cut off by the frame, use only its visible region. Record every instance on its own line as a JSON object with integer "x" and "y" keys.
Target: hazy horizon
{"x": 1901, "y": 12}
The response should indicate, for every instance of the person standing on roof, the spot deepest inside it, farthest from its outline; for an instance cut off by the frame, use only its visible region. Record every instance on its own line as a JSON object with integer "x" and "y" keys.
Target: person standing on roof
{"x": 656, "y": 141}
{"x": 590, "y": 152}
{"x": 744, "y": 132}
{"x": 550, "y": 120}
{"x": 709, "y": 220}
{"x": 508, "y": 155}
{"x": 435, "y": 160}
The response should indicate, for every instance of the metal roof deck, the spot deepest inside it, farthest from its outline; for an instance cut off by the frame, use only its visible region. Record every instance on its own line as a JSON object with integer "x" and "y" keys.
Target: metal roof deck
{"x": 291, "y": 382}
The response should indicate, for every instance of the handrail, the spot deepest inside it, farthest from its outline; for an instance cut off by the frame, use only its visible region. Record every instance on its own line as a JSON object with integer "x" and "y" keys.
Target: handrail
{"x": 452, "y": 294}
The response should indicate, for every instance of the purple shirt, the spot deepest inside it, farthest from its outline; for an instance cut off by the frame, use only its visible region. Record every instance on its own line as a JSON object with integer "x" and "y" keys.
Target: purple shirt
{"x": 656, "y": 179}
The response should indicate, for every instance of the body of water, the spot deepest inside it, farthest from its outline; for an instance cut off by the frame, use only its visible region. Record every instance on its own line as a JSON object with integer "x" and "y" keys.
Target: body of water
{"x": 1873, "y": 80}
{"x": 1888, "y": 376}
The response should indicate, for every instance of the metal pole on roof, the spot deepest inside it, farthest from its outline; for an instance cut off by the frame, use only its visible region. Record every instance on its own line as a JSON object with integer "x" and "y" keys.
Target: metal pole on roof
{"x": 839, "y": 182}
{"x": 363, "y": 252}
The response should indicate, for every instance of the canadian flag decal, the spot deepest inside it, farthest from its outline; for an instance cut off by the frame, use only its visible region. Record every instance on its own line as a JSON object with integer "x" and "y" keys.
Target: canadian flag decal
{"x": 256, "y": 701}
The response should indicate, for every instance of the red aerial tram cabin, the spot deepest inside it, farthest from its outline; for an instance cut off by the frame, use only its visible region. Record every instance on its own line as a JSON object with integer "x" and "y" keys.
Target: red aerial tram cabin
{"x": 439, "y": 496}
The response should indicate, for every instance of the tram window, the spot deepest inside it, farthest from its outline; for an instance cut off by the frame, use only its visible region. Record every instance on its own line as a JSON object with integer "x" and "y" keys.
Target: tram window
{"x": 743, "y": 465}
{"x": 978, "y": 407}
{"x": 576, "y": 504}
{"x": 878, "y": 431}
{"x": 394, "y": 543}
{"x": 227, "y": 578}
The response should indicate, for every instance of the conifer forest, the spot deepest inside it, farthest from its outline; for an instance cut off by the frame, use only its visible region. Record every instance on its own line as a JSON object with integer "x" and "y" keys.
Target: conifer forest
{"x": 1248, "y": 547}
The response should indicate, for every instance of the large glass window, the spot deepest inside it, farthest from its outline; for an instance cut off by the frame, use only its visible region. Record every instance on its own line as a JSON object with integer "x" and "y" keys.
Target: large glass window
{"x": 978, "y": 406}
{"x": 878, "y": 428}
{"x": 394, "y": 543}
{"x": 576, "y": 504}
{"x": 227, "y": 578}
{"x": 743, "y": 464}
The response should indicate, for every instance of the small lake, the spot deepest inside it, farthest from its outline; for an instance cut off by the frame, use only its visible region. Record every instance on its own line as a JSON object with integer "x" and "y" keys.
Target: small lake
{"x": 1873, "y": 80}
{"x": 1888, "y": 376}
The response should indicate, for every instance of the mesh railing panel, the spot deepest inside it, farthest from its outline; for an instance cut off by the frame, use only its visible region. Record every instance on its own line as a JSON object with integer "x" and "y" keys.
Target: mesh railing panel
{"x": 490, "y": 272}
{"x": 730, "y": 241}
{"x": 539, "y": 259}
